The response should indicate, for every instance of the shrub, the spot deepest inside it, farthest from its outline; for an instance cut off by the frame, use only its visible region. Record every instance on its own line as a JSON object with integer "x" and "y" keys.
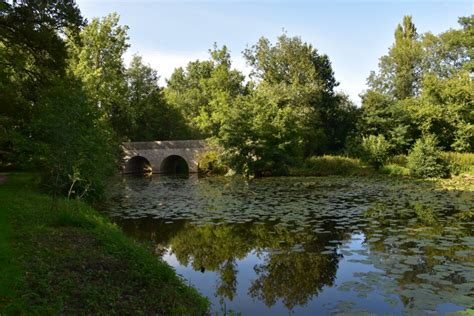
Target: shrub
{"x": 209, "y": 163}
{"x": 425, "y": 159}
{"x": 375, "y": 150}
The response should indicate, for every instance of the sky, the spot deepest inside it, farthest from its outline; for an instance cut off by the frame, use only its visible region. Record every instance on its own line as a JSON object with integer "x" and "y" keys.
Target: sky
{"x": 354, "y": 34}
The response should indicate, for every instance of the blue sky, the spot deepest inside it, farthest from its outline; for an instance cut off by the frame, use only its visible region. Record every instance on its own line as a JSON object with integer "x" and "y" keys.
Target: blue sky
{"x": 354, "y": 34}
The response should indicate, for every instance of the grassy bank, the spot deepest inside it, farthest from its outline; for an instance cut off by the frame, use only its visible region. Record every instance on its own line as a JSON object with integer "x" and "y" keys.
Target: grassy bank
{"x": 459, "y": 164}
{"x": 69, "y": 259}
{"x": 331, "y": 165}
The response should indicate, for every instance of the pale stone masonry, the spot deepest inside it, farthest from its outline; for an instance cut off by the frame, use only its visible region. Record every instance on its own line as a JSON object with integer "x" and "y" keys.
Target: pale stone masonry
{"x": 157, "y": 152}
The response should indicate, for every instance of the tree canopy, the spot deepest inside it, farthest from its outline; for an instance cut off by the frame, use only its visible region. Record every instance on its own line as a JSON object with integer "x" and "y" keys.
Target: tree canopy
{"x": 286, "y": 111}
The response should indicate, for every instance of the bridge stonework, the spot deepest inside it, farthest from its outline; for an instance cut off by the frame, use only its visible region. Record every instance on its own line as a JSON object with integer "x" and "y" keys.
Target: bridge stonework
{"x": 156, "y": 152}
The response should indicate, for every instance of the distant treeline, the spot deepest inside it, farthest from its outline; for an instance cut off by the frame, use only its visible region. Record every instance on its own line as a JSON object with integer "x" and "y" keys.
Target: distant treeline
{"x": 67, "y": 100}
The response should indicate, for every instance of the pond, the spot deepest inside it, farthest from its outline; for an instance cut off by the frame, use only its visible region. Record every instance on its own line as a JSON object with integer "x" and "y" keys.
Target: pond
{"x": 309, "y": 246}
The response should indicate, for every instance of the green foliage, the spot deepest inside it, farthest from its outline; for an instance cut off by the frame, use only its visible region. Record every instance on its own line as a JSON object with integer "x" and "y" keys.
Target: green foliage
{"x": 395, "y": 170}
{"x": 30, "y": 41}
{"x": 463, "y": 137}
{"x": 49, "y": 123}
{"x": 151, "y": 117}
{"x": 74, "y": 149}
{"x": 459, "y": 163}
{"x": 423, "y": 87}
{"x": 259, "y": 138}
{"x": 400, "y": 160}
{"x": 425, "y": 159}
{"x": 383, "y": 116}
{"x": 444, "y": 109}
{"x": 291, "y": 113}
{"x": 451, "y": 51}
{"x": 331, "y": 165}
{"x": 399, "y": 72}
{"x": 205, "y": 91}
{"x": 96, "y": 59}
{"x": 375, "y": 150}
{"x": 209, "y": 163}
{"x": 32, "y": 53}
{"x": 291, "y": 73}
{"x": 396, "y": 165}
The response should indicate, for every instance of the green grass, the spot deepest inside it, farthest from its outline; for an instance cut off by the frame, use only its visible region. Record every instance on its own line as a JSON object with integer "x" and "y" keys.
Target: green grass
{"x": 66, "y": 258}
{"x": 460, "y": 163}
{"x": 394, "y": 169}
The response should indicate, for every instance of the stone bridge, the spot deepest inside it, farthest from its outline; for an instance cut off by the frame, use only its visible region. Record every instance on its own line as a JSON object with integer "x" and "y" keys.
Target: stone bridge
{"x": 174, "y": 156}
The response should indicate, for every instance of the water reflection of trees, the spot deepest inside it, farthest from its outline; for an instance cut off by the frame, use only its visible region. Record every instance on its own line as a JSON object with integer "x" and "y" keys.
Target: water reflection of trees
{"x": 426, "y": 248}
{"x": 293, "y": 270}
{"x": 293, "y": 277}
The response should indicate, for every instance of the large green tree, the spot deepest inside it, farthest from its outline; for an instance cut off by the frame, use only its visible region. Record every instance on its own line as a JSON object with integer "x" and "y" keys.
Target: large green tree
{"x": 96, "y": 57}
{"x": 259, "y": 137}
{"x": 291, "y": 73}
{"x": 48, "y": 122}
{"x": 204, "y": 91}
{"x": 451, "y": 51}
{"x": 32, "y": 53}
{"x": 73, "y": 147}
{"x": 151, "y": 118}
{"x": 423, "y": 87}
{"x": 399, "y": 74}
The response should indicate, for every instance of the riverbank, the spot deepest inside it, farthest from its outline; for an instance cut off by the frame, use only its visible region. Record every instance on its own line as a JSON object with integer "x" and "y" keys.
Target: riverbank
{"x": 64, "y": 257}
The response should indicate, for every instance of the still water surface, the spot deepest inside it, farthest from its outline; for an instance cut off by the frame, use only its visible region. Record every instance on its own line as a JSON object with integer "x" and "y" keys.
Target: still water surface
{"x": 308, "y": 246}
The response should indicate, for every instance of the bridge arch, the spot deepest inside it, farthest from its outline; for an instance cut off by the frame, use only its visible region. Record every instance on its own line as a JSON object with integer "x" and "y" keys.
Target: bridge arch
{"x": 138, "y": 165}
{"x": 174, "y": 164}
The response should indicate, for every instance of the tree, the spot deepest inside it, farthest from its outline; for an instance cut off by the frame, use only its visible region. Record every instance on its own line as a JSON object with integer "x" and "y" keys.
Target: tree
{"x": 50, "y": 124}
{"x": 30, "y": 35}
{"x": 451, "y": 51}
{"x": 425, "y": 159}
{"x": 73, "y": 148}
{"x": 260, "y": 138}
{"x": 423, "y": 87}
{"x": 96, "y": 57}
{"x": 399, "y": 73}
{"x": 445, "y": 110}
{"x": 32, "y": 54}
{"x": 204, "y": 91}
{"x": 151, "y": 118}
{"x": 293, "y": 74}
{"x": 375, "y": 150}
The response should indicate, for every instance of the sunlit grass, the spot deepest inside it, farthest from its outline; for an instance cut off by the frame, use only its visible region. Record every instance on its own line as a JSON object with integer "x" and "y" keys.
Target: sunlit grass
{"x": 56, "y": 253}
{"x": 331, "y": 165}
{"x": 460, "y": 162}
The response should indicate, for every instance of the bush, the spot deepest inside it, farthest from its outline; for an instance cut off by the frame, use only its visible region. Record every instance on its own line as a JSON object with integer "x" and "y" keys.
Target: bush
{"x": 425, "y": 159}
{"x": 375, "y": 150}
{"x": 209, "y": 163}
